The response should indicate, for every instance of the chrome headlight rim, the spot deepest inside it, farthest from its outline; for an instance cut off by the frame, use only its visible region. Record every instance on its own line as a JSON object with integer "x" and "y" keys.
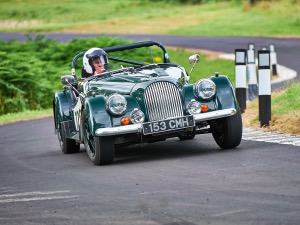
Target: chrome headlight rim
{"x": 193, "y": 104}
{"x": 134, "y": 115}
{"x": 119, "y": 111}
{"x": 200, "y": 93}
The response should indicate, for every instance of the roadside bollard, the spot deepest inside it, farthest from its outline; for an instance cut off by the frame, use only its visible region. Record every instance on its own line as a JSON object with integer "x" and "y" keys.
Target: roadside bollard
{"x": 240, "y": 78}
{"x": 264, "y": 87}
{"x": 251, "y": 46}
{"x": 251, "y": 71}
{"x": 273, "y": 58}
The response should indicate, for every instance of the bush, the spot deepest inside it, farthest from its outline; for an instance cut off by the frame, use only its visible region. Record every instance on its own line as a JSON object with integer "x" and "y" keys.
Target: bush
{"x": 30, "y": 71}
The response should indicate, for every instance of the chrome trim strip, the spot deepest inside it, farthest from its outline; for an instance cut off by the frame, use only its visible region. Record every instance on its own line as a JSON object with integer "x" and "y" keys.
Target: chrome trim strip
{"x": 110, "y": 131}
{"x": 214, "y": 115}
{"x": 138, "y": 128}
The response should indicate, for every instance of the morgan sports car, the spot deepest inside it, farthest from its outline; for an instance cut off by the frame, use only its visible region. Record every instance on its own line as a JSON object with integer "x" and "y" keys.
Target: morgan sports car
{"x": 142, "y": 101}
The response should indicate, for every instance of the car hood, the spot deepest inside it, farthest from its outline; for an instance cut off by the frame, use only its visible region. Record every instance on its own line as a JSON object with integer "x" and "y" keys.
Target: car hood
{"x": 125, "y": 84}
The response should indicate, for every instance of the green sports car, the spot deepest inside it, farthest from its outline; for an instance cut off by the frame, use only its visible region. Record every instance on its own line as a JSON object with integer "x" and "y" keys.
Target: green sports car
{"x": 142, "y": 100}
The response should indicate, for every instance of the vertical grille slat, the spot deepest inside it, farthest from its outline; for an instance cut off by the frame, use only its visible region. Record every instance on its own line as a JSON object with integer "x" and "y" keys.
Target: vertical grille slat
{"x": 162, "y": 100}
{"x": 179, "y": 104}
{"x": 169, "y": 98}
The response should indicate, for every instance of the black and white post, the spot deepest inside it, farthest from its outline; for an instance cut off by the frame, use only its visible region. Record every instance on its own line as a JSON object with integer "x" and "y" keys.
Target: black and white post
{"x": 251, "y": 71}
{"x": 273, "y": 57}
{"x": 251, "y": 46}
{"x": 240, "y": 78}
{"x": 264, "y": 87}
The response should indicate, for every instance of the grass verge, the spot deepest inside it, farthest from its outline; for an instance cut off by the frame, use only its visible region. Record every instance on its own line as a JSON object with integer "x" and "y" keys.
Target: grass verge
{"x": 215, "y": 18}
{"x": 26, "y": 115}
{"x": 285, "y": 112}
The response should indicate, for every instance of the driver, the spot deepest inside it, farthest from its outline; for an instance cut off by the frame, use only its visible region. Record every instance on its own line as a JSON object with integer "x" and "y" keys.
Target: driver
{"x": 95, "y": 61}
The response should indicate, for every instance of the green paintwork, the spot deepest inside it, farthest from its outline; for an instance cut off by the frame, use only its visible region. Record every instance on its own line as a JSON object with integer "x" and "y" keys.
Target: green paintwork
{"x": 132, "y": 86}
{"x": 80, "y": 109}
{"x": 96, "y": 112}
{"x": 225, "y": 97}
{"x": 124, "y": 83}
{"x": 62, "y": 101}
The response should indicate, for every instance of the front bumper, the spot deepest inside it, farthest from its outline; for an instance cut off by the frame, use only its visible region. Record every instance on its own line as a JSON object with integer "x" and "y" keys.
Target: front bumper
{"x": 138, "y": 128}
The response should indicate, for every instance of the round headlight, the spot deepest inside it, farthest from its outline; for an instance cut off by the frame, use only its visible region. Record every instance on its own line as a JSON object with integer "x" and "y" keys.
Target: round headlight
{"x": 205, "y": 88}
{"x": 194, "y": 107}
{"x": 116, "y": 104}
{"x": 137, "y": 116}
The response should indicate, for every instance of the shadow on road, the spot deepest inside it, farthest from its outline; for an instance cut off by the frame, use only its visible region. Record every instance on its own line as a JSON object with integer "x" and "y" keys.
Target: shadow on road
{"x": 170, "y": 149}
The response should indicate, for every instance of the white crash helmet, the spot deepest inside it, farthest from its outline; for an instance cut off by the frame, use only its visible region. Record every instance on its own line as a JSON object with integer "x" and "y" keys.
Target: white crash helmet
{"x": 92, "y": 54}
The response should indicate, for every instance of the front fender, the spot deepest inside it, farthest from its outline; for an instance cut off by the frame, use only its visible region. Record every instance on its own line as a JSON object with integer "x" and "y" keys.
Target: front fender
{"x": 225, "y": 97}
{"x": 96, "y": 113}
{"x": 189, "y": 95}
{"x": 62, "y": 106}
{"x": 99, "y": 117}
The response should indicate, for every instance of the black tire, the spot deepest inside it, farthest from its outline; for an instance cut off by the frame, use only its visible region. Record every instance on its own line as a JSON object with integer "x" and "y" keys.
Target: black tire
{"x": 227, "y": 132}
{"x": 68, "y": 146}
{"x": 101, "y": 150}
{"x": 187, "y": 135}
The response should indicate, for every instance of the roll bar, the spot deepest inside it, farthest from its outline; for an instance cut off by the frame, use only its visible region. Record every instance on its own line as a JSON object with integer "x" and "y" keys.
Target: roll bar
{"x": 126, "y": 47}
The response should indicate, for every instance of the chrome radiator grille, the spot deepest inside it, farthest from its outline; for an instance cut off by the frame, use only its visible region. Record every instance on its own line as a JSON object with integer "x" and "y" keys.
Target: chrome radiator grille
{"x": 162, "y": 100}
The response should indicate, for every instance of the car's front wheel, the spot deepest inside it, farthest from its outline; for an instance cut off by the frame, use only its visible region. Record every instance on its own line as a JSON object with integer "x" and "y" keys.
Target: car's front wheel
{"x": 101, "y": 150}
{"x": 227, "y": 132}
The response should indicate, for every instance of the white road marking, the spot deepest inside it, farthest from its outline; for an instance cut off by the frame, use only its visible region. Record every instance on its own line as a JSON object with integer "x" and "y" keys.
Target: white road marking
{"x": 255, "y": 135}
{"x": 36, "y": 199}
{"x": 34, "y": 193}
{"x": 35, "y": 196}
{"x": 230, "y": 212}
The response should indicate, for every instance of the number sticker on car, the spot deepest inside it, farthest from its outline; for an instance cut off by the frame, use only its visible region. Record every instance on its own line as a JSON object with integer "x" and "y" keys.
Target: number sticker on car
{"x": 169, "y": 124}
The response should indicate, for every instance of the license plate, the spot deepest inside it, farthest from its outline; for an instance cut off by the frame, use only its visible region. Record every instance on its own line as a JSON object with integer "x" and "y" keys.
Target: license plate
{"x": 169, "y": 124}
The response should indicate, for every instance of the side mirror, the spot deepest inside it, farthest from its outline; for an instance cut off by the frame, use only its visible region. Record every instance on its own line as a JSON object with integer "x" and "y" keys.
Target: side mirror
{"x": 193, "y": 59}
{"x": 68, "y": 79}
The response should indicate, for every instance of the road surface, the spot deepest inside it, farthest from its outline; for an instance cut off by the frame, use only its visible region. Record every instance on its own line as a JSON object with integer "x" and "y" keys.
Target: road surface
{"x": 167, "y": 183}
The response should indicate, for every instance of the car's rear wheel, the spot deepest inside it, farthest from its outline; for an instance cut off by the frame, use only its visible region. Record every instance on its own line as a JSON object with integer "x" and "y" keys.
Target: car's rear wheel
{"x": 227, "y": 132}
{"x": 101, "y": 150}
{"x": 67, "y": 145}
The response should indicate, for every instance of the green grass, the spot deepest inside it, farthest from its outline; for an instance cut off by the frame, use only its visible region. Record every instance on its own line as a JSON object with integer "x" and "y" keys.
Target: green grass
{"x": 287, "y": 101}
{"x": 285, "y": 112}
{"x": 26, "y": 115}
{"x": 205, "y": 68}
{"x": 226, "y": 18}
{"x": 266, "y": 19}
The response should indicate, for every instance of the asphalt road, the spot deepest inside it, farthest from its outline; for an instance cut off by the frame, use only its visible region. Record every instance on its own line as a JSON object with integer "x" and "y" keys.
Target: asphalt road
{"x": 167, "y": 183}
{"x": 172, "y": 182}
